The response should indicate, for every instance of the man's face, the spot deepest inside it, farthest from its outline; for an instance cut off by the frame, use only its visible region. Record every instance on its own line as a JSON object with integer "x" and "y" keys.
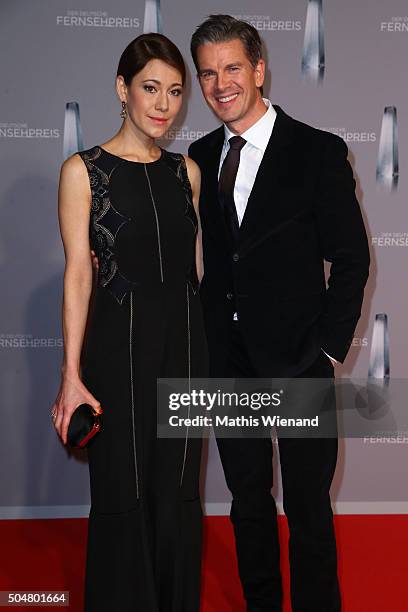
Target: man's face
{"x": 229, "y": 82}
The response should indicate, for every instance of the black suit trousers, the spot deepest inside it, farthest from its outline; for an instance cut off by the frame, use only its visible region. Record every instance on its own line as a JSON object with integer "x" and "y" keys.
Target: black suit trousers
{"x": 307, "y": 468}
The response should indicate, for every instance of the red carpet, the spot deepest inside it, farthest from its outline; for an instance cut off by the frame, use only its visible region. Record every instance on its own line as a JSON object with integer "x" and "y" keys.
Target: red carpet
{"x": 373, "y": 561}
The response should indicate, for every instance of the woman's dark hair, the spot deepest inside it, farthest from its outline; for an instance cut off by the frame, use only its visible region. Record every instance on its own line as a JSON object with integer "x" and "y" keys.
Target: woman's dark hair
{"x": 147, "y": 47}
{"x": 223, "y": 28}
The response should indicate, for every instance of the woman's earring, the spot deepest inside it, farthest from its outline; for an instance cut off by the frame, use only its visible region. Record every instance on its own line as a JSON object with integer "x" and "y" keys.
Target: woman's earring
{"x": 123, "y": 112}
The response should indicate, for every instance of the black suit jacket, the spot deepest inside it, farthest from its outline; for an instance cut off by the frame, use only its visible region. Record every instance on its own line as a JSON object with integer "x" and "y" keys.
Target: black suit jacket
{"x": 302, "y": 210}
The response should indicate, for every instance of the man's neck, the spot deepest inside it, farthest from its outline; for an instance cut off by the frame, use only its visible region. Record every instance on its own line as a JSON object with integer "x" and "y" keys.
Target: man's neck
{"x": 241, "y": 125}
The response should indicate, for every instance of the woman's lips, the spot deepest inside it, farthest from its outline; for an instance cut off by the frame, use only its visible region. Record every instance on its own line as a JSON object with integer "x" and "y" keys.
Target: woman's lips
{"x": 159, "y": 120}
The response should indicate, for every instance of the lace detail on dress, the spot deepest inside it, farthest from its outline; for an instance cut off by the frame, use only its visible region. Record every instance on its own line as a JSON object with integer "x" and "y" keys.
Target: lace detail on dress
{"x": 104, "y": 226}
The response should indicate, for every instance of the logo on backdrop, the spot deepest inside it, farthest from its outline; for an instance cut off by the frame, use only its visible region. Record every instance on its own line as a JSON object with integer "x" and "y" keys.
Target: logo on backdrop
{"x": 96, "y": 19}
{"x": 379, "y": 365}
{"x": 152, "y": 17}
{"x": 183, "y": 132}
{"x": 396, "y": 24}
{"x": 385, "y": 439}
{"x": 359, "y": 342}
{"x": 73, "y": 141}
{"x": 313, "y": 58}
{"x": 265, "y": 23}
{"x": 24, "y": 341}
{"x": 23, "y": 130}
{"x": 349, "y": 135}
{"x": 390, "y": 239}
{"x": 387, "y": 160}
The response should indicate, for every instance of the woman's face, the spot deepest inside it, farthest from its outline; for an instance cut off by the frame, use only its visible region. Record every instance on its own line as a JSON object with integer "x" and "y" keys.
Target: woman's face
{"x": 153, "y": 98}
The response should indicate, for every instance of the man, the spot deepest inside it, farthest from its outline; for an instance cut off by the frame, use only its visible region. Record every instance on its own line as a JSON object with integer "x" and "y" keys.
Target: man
{"x": 276, "y": 201}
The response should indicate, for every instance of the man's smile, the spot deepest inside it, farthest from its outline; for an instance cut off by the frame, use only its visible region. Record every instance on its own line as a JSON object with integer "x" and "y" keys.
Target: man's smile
{"x": 226, "y": 99}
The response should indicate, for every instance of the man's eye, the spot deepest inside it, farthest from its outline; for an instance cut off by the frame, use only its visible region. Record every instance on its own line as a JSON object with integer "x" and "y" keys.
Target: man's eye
{"x": 206, "y": 75}
{"x": 233, "y": 68}
{"x": 149, "y": 88}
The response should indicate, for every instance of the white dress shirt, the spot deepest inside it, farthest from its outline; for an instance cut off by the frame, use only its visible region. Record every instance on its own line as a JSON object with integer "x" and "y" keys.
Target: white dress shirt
{"x": 257, "y": 138}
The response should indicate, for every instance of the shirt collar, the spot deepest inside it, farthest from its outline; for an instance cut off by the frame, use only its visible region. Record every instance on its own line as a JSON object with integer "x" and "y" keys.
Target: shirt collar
{"x": 259, "y": 133}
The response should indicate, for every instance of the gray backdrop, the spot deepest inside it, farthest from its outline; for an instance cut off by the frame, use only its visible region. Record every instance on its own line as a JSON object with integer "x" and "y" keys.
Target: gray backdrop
{"x": 54, "y": 52}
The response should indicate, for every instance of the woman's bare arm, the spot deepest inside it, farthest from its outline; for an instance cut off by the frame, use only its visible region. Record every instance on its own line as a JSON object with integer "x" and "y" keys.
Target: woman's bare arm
{"x": 74, "y": 201}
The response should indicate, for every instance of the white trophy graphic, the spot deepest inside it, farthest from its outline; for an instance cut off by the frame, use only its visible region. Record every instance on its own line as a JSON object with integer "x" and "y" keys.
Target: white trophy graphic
{"x": 152, "y": 17}
{"x": 379, "y": 366}
{"x": 313, "y": 58}
{"x": 387, "y": 161}
{"x": 73, "y": 141}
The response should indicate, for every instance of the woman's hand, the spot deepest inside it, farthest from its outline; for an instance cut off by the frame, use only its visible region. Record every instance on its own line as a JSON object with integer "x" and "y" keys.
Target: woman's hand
{"x": 72, "y": 393}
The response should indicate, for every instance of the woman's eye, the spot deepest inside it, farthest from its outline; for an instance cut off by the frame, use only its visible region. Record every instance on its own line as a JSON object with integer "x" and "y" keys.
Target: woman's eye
{"x": 176, "y": 92}
{"x": 149, "y": 88}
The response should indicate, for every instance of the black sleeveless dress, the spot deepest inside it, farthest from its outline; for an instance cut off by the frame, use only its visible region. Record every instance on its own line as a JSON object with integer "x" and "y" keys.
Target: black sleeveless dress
{"x": 144, "y": 532}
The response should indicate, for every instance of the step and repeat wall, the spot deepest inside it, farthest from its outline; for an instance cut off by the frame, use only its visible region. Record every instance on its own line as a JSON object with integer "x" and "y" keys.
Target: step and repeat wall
{"x": 338, "y": 65}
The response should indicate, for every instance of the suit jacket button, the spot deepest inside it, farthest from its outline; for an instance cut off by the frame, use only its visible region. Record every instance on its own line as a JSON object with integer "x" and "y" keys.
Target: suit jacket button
{"x": 235, "y": 257}
{"x": 230, "y": 296}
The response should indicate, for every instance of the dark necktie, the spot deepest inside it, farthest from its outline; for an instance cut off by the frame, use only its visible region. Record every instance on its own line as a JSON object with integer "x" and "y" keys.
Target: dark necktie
{"x": 226, "y": 184}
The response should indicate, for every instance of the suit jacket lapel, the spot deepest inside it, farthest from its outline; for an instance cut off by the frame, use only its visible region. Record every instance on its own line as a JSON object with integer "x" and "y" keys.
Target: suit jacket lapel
{"x": 274, "y": 163}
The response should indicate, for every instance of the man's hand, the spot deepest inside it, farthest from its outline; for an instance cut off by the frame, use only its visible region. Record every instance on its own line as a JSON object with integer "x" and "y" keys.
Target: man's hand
{"x": 95, "y": 262}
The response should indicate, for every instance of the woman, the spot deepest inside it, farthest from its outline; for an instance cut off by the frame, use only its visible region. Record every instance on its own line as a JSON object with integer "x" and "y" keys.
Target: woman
{"x": 139, "y": 204}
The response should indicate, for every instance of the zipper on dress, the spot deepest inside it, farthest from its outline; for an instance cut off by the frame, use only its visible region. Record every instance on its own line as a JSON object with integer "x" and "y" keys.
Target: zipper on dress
{"x": 157, "y": 221}
{"x": 132, "y": 393}
{"x": 189, "y": 378}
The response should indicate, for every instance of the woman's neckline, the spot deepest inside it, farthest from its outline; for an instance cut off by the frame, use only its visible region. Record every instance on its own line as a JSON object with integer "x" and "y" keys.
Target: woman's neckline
{"x": 131, "y": 161}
